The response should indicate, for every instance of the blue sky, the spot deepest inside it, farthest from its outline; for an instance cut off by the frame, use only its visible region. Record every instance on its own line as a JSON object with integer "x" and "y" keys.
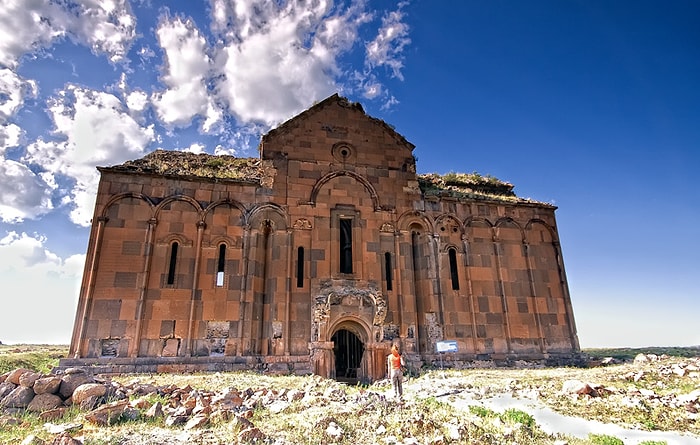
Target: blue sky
{"x": 593, "y": 106}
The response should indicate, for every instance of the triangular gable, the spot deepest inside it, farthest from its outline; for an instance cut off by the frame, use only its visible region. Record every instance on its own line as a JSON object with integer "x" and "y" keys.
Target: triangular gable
{"x": 334, "y": 100}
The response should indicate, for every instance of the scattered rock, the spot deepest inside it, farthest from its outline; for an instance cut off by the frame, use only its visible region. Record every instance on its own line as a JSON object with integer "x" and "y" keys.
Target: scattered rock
{"x": 87, "y": 390}
{"x": 44, "y": 402}
{"x": 18, "y": 398}
{"x": 73, "y": 378}
{"x": 107, "y": 414}
{"x": 63, "y": 427}
{"x": 29, "y": 378}
{"x": 13, "y": 376}
{"x": 47, "y": 385}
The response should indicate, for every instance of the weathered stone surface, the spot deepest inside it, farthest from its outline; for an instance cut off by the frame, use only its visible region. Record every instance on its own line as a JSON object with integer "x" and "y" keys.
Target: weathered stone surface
{"x": 107, "y": 414}
{"x": 346, "y": 170}
{"x": 87, "y": 390}
{"x": 173, "y": 420}
{"x": 44, "y": 402}
{"x": 18, "y": 398}
{"x": 53, "y": 414}
{"x": 72, "y": 380}
{"x": 66, "y": 439}
{"x": 156, "y": 410}
{"x": 28, "y": 378}
{"x": 6, "y": 388}
{"x": 48, "y": 385}
{"x": 14, "y": 375}
{"x": 197, "y": 421}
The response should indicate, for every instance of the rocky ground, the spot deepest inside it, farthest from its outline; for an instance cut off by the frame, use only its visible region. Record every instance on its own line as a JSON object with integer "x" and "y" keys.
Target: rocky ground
{"x": 652, "y": 400}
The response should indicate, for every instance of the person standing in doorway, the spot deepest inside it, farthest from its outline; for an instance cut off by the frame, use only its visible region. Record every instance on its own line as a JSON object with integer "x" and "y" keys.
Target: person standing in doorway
{"x": 395, "y": 363}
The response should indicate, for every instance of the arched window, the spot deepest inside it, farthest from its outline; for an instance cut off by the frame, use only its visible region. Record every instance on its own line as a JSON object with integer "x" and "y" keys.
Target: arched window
{"x": 388, "y": 270}
{"x": 452, "y": 253}
{"x": 300, "y": 267}
{"x": 173, "y": 263}
{"x": 346, "y": 245}
{"x": 221, "y": 263}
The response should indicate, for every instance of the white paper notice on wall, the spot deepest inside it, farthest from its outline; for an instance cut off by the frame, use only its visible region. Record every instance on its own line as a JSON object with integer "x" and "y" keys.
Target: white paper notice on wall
{"x": 446, "y": 346}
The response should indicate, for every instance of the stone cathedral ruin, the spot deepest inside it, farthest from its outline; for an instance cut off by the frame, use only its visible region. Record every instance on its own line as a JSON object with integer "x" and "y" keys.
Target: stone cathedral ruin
{"x": 316, "y": 257}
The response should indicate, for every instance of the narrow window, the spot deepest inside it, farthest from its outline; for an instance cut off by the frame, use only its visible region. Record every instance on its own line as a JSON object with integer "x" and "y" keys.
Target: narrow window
{"x": 220, "y": 266}
{"x": 453, "y": 268}
{"x": 346, "y": 245}
{"x": 173, "y": 263}
{"x": 300, "y": 267}
{"x": 387, "y": 269}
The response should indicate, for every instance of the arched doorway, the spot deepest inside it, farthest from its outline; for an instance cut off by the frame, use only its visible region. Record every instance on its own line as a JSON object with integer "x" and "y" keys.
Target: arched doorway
{"x": 348, "y": 350}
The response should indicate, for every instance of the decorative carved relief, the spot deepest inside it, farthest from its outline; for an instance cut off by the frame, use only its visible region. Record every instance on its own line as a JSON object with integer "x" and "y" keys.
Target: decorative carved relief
{"x": 302, "y": 224}
{"x": 387, "y": 227}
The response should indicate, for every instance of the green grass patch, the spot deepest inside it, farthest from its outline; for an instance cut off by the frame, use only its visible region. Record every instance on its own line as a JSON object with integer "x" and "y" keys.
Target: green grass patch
{"x": 604, "y": 439}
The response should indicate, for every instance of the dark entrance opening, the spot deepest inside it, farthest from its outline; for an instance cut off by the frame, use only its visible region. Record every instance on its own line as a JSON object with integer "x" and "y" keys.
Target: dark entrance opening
{"x": 348, "y": 350}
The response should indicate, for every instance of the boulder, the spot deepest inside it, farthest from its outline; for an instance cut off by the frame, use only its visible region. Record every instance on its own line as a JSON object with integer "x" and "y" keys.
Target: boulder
{"x": 71, "y": 381}
{"x": 18, "y": 398}
{"x": 29, "y": 378}
{"x": 47, "y": 385}
{"x": 13, "y": 376}
{"x": 44, "y": 402}
{"x": 87, "y": 390}
{"x": 6, "y": 388}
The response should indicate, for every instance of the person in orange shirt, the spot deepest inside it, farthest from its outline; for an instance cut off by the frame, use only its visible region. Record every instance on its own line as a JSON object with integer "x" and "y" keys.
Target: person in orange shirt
{"x": 394, "y": 363}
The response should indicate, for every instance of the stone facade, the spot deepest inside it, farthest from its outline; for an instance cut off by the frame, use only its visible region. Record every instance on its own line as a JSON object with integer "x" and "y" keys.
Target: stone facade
{"x": 316, "y": 257}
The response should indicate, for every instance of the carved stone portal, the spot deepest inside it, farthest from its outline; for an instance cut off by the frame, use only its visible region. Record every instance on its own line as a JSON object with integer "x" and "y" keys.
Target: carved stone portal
{"x": 366, "y": 304}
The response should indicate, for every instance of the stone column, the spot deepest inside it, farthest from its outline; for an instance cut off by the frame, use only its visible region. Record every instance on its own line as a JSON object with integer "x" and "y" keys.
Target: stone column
{"x": 195, "y": 286}
{"x": 504, "y": 300}
{"x": 533, "y": 292}
{"x": 322, "y": 358}
{"x": 244, "y": 285}
{"x": 470, "y": 293}
{"x": 567, "y": 298}
{"x": 145, "y": 274}
{"x": 85, "y": 303}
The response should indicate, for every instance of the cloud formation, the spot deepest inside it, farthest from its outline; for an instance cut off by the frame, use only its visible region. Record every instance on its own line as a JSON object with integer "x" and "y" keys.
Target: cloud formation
{"x": 254, "y": 64}
{"x": 25, "y": 263}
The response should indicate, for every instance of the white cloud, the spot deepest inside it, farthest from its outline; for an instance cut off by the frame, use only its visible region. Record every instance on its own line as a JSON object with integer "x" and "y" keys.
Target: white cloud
{"x": 96, "y": 129}
{"x": 278, "y": 59}
{"x": 22, "y": 193}
{"x": 13, "y": 91}
{"x": 186, "y": 69}
{"x": 40, "y": 283}
{"x": 10, "y": 136}
{"x": 106, "y": 26}
{"x": 387, "y": 48}
{"x": 194, "y": 148}
{"x": 26, "y": 26}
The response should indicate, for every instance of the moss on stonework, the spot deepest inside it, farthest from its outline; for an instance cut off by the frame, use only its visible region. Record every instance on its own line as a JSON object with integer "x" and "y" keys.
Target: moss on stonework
{"x": 203, "y": 165}
{"x": 225, "y": 167}
{"x": 466, "y": 185}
